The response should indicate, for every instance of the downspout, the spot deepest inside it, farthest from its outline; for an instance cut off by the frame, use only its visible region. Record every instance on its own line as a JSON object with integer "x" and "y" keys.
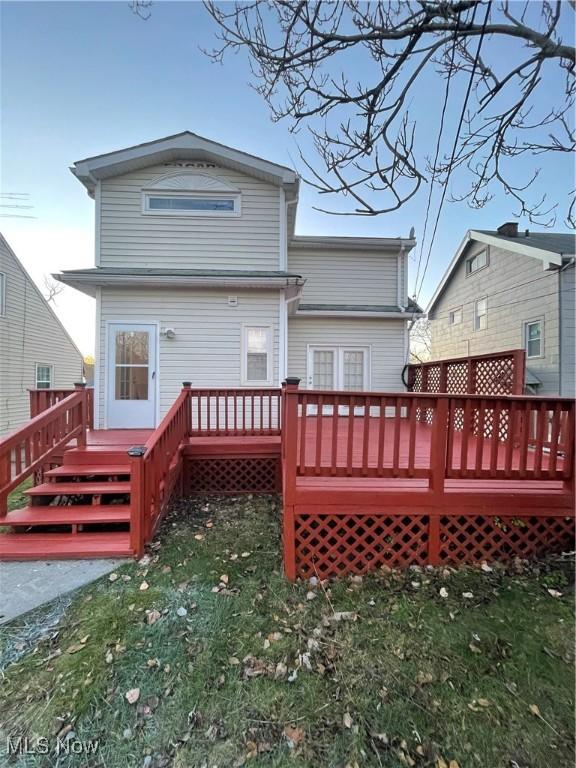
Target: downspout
{"x": 569, "y": 264}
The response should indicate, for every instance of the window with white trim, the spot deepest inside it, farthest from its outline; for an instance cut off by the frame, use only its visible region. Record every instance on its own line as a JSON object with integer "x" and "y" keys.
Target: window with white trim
{"x": 191, "y": 204}
{"x": 455, "y": 316}
{"x": 476, "y": 262}
{"x": 480, "y": 314}
{"x": 44, "y": 376}
{"x": 2, "y": 294}
{"x": 533, "y": 338}
{"x": 257, "y": 354}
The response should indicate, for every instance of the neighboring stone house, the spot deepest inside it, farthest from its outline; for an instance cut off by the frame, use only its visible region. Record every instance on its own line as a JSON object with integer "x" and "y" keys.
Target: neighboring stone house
{"x": 36, "y": 352}
{"x": 200, "y": 277}
{"x": 507, "y": 289}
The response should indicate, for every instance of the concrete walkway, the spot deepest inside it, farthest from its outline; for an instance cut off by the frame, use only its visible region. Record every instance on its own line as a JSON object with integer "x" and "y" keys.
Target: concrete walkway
{"x": 27, "y": 585}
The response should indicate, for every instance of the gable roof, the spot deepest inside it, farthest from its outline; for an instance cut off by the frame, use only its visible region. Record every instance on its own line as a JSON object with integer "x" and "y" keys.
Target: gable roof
{"x": 550, "y": 247}
{"x": 4, "y": 245}
{"x": 181, "y": 146}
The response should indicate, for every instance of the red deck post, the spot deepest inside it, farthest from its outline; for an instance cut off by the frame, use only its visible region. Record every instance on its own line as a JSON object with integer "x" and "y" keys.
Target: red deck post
{"x": 290, "y": 436}
{"x": 81, "y": 387}
{"x": 137, "y": 504}
{"x": 438, "y": 465}
{"x": 519, "y": 371}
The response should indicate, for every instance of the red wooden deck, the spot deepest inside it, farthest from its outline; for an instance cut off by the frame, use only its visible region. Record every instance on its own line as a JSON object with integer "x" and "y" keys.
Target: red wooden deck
{"x": 395, "y": 479}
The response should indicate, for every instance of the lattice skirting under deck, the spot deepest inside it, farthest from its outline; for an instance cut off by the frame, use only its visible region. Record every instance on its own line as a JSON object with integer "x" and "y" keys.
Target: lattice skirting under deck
{"x": 331, "y": 545}
{"x": 231, "y": 475}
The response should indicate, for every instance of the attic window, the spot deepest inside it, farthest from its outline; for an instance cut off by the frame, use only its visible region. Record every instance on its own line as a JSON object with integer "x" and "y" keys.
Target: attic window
{"x": 476, "y": 262}
{"x": 171, "y": 204}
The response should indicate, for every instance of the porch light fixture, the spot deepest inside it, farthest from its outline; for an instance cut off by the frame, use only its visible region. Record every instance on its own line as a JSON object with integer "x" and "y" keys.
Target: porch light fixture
{"x": 169, "y": 333}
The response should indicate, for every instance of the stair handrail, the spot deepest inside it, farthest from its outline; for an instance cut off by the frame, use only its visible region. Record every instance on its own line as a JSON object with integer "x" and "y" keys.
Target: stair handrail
{"x": 156, "y": 468}
{"x": 29, "y": 447}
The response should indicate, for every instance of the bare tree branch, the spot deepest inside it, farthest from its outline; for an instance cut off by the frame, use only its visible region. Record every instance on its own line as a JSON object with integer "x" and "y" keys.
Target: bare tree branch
{"x": 368, "y": 143}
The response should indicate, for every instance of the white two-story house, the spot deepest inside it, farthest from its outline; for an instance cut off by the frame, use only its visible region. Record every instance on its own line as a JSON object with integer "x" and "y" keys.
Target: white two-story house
{"x": 200, "y": 277}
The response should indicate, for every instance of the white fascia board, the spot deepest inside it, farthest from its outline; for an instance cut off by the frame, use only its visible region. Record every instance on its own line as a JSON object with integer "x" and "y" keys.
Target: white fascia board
{"x": 548, "y": 257}
{"x": 390, "y": 245}
{"x": 112, "y": 163}
{"x": 88, "y": 283}
{"x": 336, "y": 313}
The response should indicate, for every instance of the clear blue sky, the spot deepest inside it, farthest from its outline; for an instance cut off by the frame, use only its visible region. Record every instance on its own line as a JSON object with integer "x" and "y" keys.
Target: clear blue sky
{"x": 82, "y": 78}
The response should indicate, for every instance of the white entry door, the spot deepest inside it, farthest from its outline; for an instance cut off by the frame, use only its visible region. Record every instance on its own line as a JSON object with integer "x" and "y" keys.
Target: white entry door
{"x": 131, "y": 401}
{"x": 343, "y": 368}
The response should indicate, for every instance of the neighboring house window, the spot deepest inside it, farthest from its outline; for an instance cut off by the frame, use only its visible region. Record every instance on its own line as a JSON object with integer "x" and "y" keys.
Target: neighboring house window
{"x": 480, "y": 314}
{"x": 43, "y": 376}
{"x": 2, "y": 294}
{"x": 533, "y": 338}
{"x": 257, "y": 355}
{"x": 476, "y": 262}
{"x": 455, "y": 316}
{"x": 164, "y": 204}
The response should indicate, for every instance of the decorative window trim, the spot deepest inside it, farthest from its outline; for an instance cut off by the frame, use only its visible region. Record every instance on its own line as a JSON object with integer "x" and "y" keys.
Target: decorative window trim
{"x": 470, "y": 259}
{"x": 452, "y": 312}
{"x": 50, "y": 381}
{"x": 525, "y": 326}
{"x": 234, "y": 196}
{"x": 245, "y": 381}
{"x": 477, "y": 316}
{"x": 2, "y": 294}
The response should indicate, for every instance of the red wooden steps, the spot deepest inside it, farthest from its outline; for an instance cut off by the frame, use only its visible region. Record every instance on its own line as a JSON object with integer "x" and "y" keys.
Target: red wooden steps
{"x": 79, "y": 489}
{"x": 81, "y": 514}
{"x": 63, "y": 546}
{"x": 81, "y": 470}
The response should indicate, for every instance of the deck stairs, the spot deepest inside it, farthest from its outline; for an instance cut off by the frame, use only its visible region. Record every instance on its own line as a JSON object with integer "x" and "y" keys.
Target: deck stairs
{"x": 81, "y": 509}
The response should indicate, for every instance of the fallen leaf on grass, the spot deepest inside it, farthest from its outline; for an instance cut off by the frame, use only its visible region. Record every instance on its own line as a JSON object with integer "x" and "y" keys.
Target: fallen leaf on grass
{"x": 443, "y": 592}
{"x": 293, "y": 736}
{"x": 113, "y": 577}
{"x": 424, "y": 678}
{"x": 153, "y": 616}
{"x": 182, "y": 611}
{"x": 554, "y": 593}
{"x": 347, "y": 720}
{"x": 132, "y": 695}
{"x": 199, "y": 537}
{"x": 144, "y": 586}
{"x": 75, "y": 647}
{"x": 534, "y": 708}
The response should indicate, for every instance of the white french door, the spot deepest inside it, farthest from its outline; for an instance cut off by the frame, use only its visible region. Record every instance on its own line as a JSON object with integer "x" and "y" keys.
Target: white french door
{"x": 345, "y": 368}
{"x": 131, "y": 381}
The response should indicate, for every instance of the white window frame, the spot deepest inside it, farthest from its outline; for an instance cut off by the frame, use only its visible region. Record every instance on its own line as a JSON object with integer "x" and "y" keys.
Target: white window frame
{"x": 470, "y": 259}
{"x": 526, "y": 325}
{"x": 235, "y": 196}
{"x": 339, "y": 350}
{"x": 477, "y": 316}
{"x": 244, "y": 356}
{"x": 51, "y": 380}
{"x": 452, "y": 312}
{"x": 2, "y": 294}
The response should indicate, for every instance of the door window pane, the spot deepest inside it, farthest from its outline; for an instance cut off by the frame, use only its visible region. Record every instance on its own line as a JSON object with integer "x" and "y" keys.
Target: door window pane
{"x": 353, "y": 367}
{"x": 132, "y": 348}
{"x": 131, "y": 383}
{"x": 323, "y": 369}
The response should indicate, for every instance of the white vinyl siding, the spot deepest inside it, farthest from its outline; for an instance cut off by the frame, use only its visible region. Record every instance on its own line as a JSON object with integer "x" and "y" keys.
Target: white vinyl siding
{"x": 518, "y": 289}
{"x": 206, "y": 348}
{"x": 348, "y": 277}
{"x": 130, "y": 237}
{"x": 2, "y": 294}
{"x": 30, "y": 333}
{"x": 385, "y": 340}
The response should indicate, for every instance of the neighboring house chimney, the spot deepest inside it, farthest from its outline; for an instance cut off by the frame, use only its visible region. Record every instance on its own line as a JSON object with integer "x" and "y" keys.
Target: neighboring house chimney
{"x": 509, "y": 229}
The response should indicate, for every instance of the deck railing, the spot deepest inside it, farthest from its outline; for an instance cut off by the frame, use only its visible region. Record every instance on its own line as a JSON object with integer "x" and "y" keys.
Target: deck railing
{"x": 217, "y": 412}
{"x": 42, "y": 399}
{"x": 27, "y": 449}
{"x": 156, "y": 470}
{"x": 500, "y": 373}
{"x": 365, "y": 434}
